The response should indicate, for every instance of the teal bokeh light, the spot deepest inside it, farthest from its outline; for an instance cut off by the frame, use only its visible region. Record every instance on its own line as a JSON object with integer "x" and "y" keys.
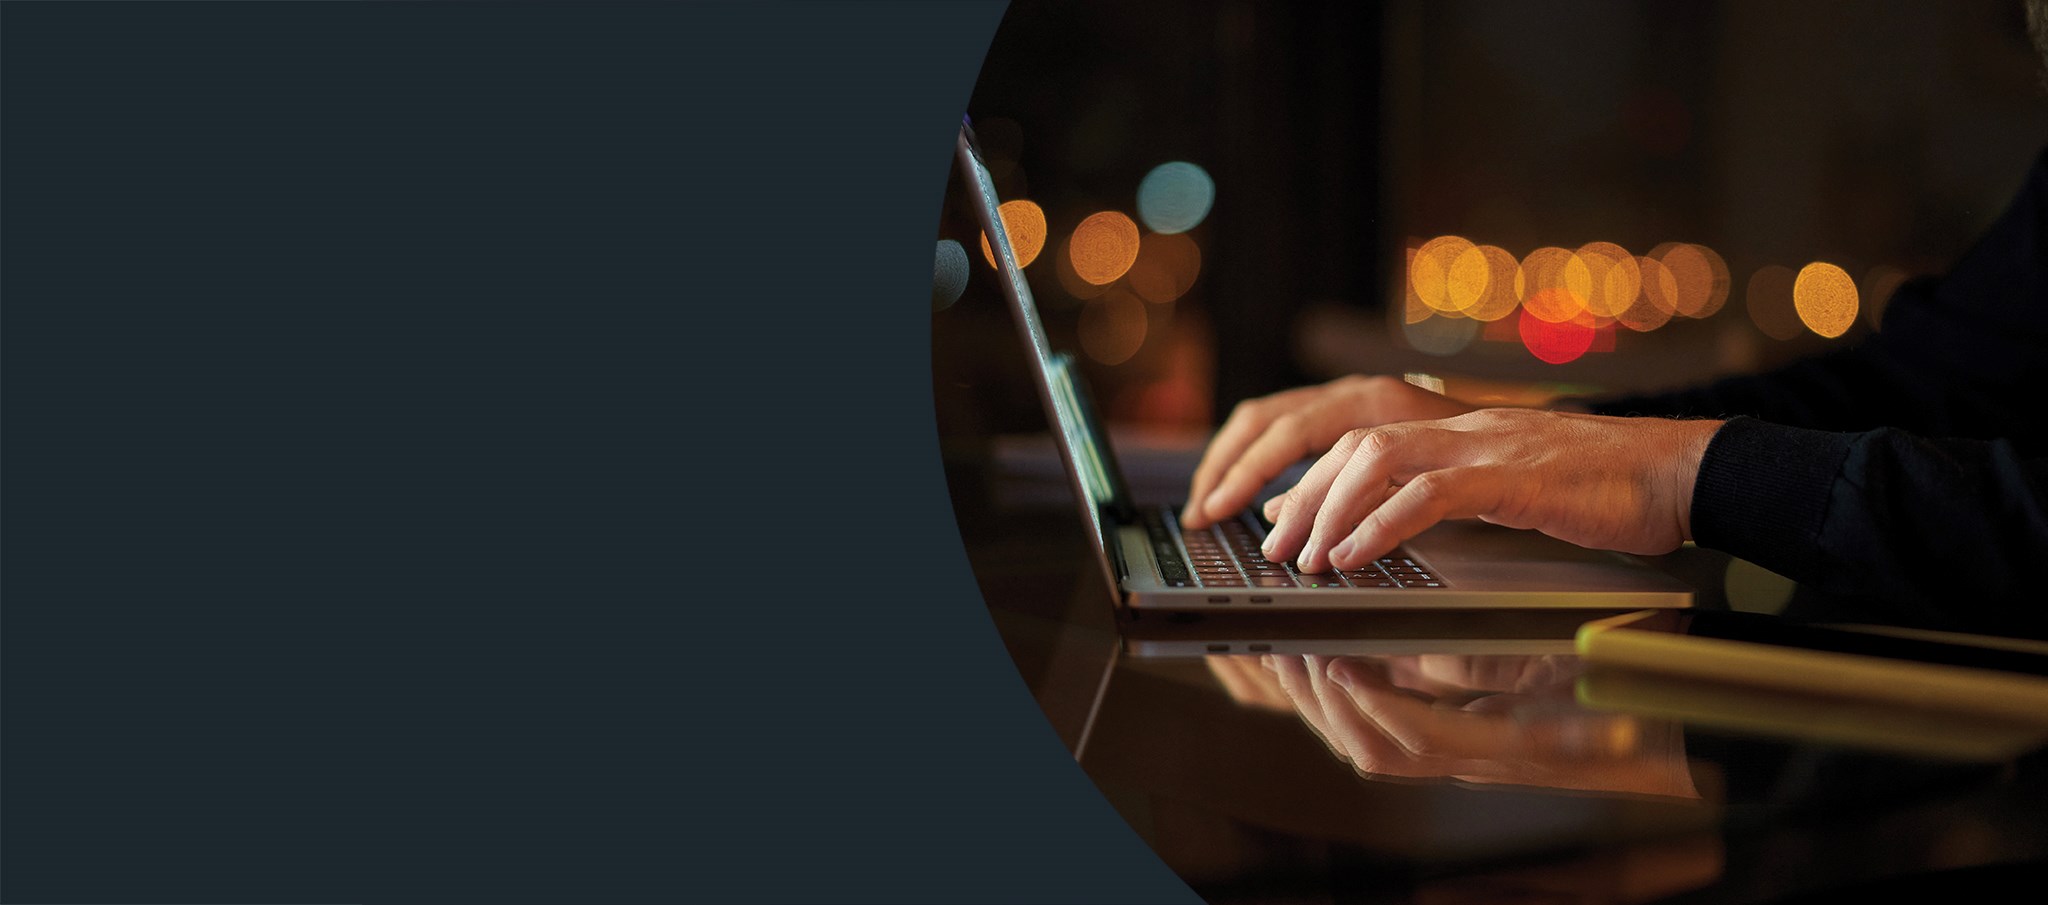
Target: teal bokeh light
{"x": 1175, "y": 197}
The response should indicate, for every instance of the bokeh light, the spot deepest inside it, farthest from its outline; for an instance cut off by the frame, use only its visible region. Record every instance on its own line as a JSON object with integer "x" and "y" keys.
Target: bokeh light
{"x": 1540, "y": 283}
{"x": 1175, "y": 197}
{"x": 1113, "y": 327}
{"x": 1024, "y": 222}
{"x": 1104, "y": 247}
{"x": 1498, "y": 300}
{"x": 1699, "y": 275}
{"x": 1603, "y": 277}
{"x": 1769, "y": 300}
{"x": 1439, "y": 335}
{"x": 1448, "y": 273}
{"x": 1413, "y": 311}
{"x": 1556, "y": 343}
{"x": 1656, "y": 299}
{"x": 1063, "y": 266}
{"x": 1166, "y": 267}
{"x": 949, "y": 274}
{"x": 1825, "y": 298}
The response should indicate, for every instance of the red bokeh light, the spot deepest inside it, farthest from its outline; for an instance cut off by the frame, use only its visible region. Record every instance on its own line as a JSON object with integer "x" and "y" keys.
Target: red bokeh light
{"x": 1557, "y": 343}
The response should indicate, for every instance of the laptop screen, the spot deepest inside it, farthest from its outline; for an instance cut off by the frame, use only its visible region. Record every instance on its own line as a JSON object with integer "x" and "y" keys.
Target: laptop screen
{"x": 1090, "y": 461}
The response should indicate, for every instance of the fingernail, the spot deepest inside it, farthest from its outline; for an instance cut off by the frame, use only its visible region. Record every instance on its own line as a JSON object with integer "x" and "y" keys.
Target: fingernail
{"x": 1267, "y": 547}
{"x": 1213, "y": 501}
{"x": 1308, "y": 551}
{"x": 1343, "y": 550}
{"x": 1342, "y": 677}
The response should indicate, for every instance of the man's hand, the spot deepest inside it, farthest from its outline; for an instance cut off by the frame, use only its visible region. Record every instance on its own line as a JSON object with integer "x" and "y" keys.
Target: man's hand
{"x": 1610, "y": 483}
{"x": 1264, "y": 436}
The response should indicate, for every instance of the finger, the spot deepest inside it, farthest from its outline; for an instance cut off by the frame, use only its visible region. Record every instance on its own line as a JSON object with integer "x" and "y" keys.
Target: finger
{"x": 1244, "y": 426}
{"x": 1384, "y": 459}
{"x": 1239, "y": 430}
{"x": 1294, "y": 680}
{"x": 1371, "y": 749}
{"x": 1272, "y": 507}
{"x": 1445, "y": 740}
{"x": 1289, "y": 439}
{"x": 1290, "y": 527}
{"x": 1423, "y": 501}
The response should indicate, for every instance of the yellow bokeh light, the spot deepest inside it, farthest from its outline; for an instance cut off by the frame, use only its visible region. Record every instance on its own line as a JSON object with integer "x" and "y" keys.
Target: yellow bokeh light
{"x": 1825, "y": 298}
{"x": 1113, "y": 327}
{"x": 1498, "y": 300}
{"x": 1448, "y": 274}
{"x": 1603, "y": 277}
{"x": 1166, "y": 267}
{"x": 1104, "y": 247}
{"x": 1540, "y": 284}
{"x": 1024, "y": 221}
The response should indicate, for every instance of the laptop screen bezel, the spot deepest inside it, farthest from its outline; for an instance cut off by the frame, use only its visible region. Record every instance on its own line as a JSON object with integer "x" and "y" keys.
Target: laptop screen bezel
{"x": 1085, "y": 452}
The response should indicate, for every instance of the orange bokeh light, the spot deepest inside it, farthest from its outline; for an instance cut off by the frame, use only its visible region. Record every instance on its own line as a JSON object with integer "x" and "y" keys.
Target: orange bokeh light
{"x": 1024, "y": 221}
{"x": 1104, "y": 247}
{"x": 1825, "y": 298}
{"x": 1604, "y": 278}
{"x": 1769, "y": 300}
{"x": 1498, "y": 300}
{"x": 1655, "y": 301}
{"x": 1113, "y": 327}
{"x": 1166, "y": 267}
{"x": 1699, "y": 275}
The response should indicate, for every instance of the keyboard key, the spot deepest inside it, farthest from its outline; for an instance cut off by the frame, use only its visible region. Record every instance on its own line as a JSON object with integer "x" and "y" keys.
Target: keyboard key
{"x": 1268, "y": 581}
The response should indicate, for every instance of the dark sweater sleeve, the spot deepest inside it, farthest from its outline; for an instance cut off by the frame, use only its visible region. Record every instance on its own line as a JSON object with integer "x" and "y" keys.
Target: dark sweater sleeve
{"x": 1911, "y": 470}
{"x": 1962, "y": 356}
{"x": 1944, "y": 529}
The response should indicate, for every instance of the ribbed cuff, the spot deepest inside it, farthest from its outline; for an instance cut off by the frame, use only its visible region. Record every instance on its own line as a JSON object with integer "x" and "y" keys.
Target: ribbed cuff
{"x": 1763, "y": 491}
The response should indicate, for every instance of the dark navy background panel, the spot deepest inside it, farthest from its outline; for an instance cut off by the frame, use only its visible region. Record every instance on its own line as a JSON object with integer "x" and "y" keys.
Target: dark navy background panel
{"x": 432, "y": 435}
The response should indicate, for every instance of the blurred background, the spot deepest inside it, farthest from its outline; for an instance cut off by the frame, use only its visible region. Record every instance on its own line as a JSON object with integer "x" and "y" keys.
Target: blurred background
{"x": 1219, "y": 200}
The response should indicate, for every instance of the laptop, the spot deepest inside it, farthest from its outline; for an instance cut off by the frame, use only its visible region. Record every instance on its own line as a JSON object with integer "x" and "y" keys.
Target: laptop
{"x": 1153, "y": 565}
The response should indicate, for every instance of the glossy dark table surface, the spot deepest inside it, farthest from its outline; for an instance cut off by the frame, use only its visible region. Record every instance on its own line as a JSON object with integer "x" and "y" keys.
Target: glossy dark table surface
{"x": 1440, "y": 775}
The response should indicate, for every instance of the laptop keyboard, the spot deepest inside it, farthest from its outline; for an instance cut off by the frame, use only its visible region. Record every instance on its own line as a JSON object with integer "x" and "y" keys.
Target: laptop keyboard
{"x": 1227, "y": 555}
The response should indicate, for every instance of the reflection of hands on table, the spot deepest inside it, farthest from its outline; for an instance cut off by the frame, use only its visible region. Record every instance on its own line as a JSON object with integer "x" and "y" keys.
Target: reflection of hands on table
{"x": 1249, "y": 682}
{"x": 1537, "y": 736}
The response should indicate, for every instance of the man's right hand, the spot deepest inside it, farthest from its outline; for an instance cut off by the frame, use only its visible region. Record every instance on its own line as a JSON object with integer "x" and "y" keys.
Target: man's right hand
{"x": 1264, "y": 436}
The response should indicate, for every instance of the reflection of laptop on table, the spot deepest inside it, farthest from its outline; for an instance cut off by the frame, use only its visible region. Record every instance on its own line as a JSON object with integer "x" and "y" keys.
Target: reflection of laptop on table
{"x": 1153, "y": 565}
